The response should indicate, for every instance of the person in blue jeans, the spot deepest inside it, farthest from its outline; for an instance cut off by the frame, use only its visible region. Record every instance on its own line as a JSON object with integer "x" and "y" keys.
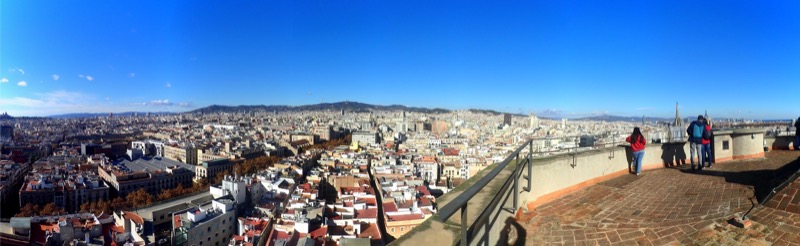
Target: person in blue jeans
{"x": 705, "y": 151}
{"x": 695, "y": 131}
{"x": 637, "y": 142}
{"x": 797, "y": 134}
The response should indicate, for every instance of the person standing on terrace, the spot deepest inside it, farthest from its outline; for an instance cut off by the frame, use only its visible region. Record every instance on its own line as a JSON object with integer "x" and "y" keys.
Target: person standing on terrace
{"x": 637, "y": 142}
{"x": 797, "y": 134}
{"x": 695, "y": 131}
{"x": 706, "y": 148}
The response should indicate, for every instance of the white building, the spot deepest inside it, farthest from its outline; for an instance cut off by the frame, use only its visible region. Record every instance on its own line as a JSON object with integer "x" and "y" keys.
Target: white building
{"x": 365, "y": 138}
{"x": 209, "y": 224}
{"x": 534, "y": 121}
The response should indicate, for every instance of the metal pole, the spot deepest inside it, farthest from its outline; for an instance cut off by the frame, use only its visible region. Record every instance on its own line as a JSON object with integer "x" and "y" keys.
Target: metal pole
{"x": 516, "y": 177}
{"x": 464, "y": 225}
{"x": 530, "y": 166}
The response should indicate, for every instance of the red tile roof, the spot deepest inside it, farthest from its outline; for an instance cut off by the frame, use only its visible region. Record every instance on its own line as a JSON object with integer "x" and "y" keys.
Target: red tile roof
{"x": 370, "y": 230}
{"x": 370, "y": 213}
{"x": 389, "y": 207}
{"x": 424, "y": 190}
{"x": 450, "y": 151}
{"x": 403, "y": 217}
{"x": 319, "y": 232}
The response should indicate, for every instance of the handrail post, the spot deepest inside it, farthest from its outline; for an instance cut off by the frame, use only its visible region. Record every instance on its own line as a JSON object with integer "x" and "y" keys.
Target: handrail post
{"x": 516, "y": 177}
{"x": 460, "y": 202}
{"x": 464, "y": 225}
{"x": 530, "y": 166}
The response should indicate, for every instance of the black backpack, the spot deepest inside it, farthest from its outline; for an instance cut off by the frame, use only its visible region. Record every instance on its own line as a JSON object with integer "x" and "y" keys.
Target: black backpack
{"x": 706, "y": 134}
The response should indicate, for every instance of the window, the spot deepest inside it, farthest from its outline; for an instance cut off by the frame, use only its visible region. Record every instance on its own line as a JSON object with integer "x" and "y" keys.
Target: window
{"x": 401, "y": 228}
{"x": 209, "y": 239}
{"x": 209, "y": 229}
{"x": 726, "y": 145}
{"x": 392, "y": 229}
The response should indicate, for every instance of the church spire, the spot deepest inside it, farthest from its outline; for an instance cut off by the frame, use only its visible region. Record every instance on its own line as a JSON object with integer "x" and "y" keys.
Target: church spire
{"x": 678, "y": 120}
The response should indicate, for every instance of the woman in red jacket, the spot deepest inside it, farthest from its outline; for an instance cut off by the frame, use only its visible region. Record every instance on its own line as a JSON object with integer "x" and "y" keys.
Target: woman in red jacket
{"x": 637, "y": 145}
{"x": 705, "y": 150}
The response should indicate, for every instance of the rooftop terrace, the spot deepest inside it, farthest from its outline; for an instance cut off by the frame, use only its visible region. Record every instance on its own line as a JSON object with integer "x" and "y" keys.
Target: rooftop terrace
{"x": 591, "y": 197}
{"x": 672, "y": 206}
{"x": 151, "y": 164}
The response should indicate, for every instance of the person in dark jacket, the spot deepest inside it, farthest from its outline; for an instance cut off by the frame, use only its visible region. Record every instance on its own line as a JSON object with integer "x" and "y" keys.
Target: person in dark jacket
{"x": 637, "y": 146}
{"x": 695, "y": 132}
{"x": 797, "y": 134}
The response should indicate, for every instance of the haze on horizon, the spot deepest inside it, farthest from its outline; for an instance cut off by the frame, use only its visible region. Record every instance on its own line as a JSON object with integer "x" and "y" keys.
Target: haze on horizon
{"x": 736, "y": 59}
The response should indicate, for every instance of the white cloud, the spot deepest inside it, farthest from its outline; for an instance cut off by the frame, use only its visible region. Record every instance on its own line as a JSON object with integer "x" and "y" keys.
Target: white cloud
{"x": 56, "y": 77}
{"x": 21, "y": 101}
{"x": 62, "y": 96}
{"x": 89, "y": 78}
{"x": 4, "y": 80}
{"x": 22, "y": 83}
{"x": 55, "y": 102}
{"x": 185, "y": 105}
{"x": 168, "y": 85}
{"x": 16, "y": 70}
{"x": 62, "y": 102}
{"x": 164, "y": 102}
{"x": 132, "y": 75}
{"x": 551, "y": 112}
{"x": 81, "y": 76}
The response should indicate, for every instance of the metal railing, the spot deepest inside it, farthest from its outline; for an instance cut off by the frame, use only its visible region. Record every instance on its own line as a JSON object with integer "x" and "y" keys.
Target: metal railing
{"x": 460, "y": 202}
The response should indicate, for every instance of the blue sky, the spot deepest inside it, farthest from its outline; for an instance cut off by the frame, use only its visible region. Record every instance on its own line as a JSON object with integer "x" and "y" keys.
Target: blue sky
{"x": 556, "y": 58}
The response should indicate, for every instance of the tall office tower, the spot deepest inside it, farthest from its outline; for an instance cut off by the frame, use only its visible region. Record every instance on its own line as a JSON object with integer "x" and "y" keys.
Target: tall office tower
{"x": 534, "y": 121}
{"x": 507, "y": 119}
{"x": 6, "y": 133}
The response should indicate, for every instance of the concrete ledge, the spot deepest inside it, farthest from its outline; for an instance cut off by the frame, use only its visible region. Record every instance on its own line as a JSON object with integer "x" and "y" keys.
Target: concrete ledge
{"x": 557, "y": 194}
{"x": 748, "y": 131}
{"x": 756, "y": 155}
{"x": 559, "y": 175}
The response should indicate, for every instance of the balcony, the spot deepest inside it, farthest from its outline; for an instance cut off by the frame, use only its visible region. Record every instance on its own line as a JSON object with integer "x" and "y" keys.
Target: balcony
{"x": 589, "y": 197}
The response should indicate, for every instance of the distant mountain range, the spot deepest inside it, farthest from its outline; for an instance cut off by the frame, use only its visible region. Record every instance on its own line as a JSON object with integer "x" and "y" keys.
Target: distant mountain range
{"x": 346, "y": 106}
{"x": 363, "y": 107}
{"x": 623, "y": 118}
{"x": 89, "y": 115}
{"x": 358, "y": 107}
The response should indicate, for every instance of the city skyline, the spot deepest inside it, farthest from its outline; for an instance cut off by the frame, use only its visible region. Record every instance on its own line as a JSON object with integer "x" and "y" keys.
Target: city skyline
{"x": 561, "y": 59}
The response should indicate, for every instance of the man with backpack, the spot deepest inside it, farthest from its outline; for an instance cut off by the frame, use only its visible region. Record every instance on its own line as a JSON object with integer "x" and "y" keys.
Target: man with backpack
{"x": 695, "y": 131}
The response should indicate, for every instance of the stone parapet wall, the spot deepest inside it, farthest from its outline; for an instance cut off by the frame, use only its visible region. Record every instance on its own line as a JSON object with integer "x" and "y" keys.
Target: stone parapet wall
{"x": 558, "y": 175}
